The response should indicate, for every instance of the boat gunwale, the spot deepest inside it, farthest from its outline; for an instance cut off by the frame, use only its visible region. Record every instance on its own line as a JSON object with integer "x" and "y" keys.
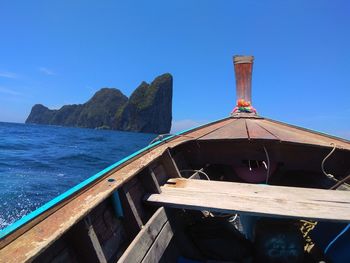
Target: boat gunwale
{"x": 318, "y": 146}
{"x": 309, "y": 130}
{"x": 258, "y": 117}
{"x": 58, "y": 202}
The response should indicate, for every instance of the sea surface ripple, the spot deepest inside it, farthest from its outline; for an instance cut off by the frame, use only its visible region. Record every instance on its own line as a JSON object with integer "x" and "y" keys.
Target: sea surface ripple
{"x": 39, "y": 162}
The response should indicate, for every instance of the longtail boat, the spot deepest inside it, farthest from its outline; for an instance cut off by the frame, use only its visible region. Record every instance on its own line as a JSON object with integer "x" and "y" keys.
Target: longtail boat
{"x": 241, "y": 189}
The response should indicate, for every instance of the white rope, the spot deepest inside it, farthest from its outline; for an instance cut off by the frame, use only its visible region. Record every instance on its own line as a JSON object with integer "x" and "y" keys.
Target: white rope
{"x": 324, "y": 160}
{"x": 233, "y": 219}
{"x": 268, "y": 165}
{"x": 197, "y": 171}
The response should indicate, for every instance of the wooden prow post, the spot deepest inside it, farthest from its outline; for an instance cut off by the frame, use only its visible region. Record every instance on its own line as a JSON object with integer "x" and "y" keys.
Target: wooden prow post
{"x": 243, "y": 71}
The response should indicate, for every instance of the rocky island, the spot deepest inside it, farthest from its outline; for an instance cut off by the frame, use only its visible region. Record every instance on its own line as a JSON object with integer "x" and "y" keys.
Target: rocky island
{"x": 149, "y": 109}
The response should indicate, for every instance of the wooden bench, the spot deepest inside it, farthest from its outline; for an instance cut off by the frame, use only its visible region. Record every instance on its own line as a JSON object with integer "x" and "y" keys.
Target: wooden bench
{"x": 252, "y": 199}
{"x": 150, "y": 243}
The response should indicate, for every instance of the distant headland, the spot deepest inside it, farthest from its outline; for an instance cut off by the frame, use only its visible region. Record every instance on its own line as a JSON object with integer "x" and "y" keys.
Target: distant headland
{"x": 149, "y": 109}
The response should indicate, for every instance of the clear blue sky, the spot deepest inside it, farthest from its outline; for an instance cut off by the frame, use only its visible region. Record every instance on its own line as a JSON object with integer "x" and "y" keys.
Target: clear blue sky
{"x": 59, "y": 52}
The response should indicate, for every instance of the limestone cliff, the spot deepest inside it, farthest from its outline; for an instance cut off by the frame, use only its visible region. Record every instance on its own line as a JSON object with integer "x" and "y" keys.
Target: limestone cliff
{"x": 149, "y": 109}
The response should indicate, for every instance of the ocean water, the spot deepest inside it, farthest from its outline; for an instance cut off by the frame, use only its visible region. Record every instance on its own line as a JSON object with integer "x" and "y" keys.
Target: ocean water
{"x": 39, "y": 162}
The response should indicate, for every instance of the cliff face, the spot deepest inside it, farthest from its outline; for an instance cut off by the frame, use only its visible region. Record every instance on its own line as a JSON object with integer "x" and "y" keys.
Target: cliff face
{"x": 40, "y": 114}
{"x": 101, "y": 108}
{"x": 149, "y": 109}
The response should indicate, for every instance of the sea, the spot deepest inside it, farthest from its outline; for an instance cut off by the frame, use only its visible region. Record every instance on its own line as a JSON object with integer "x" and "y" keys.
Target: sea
{"x": 39, "y": 162}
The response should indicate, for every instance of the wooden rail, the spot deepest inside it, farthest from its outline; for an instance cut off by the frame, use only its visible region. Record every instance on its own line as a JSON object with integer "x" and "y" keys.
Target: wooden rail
{"x": 151, "y": 242}
{"x": 260, "y": 200}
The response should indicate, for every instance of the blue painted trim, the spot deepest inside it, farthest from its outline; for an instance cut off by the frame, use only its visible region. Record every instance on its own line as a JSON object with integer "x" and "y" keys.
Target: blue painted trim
{"x": 24, "y": 220}
{"x": 117, "y": 204}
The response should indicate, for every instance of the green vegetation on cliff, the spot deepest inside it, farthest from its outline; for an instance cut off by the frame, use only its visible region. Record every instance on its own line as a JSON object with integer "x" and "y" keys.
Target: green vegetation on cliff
{"x": 149, "y": 109}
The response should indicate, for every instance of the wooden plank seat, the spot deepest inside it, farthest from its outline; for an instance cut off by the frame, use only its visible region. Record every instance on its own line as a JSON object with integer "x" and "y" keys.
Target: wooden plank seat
{"x": 150, "y": 243}
{"x": 252, "y": 199}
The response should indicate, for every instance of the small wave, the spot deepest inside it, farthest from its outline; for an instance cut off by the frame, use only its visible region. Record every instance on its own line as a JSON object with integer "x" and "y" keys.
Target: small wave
{"x": 5, "y": 165}
{"x": 95, "y": 139}
{"x": 35, "y": 164}
{"x": 80, "y": 157}
{"x": 16, "y": 147}
{"x": 23, "y": 164}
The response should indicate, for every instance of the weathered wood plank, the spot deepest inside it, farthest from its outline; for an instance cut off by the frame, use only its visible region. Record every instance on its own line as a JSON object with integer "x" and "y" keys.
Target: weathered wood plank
{"x": 265, "y": 191}
{"x": 170, "y": 165}
{"x": 289, "y": 133}
{"x": 96, "y": 244}
{"x": 253, "y": 199}
{"x": 165, "y": 168}
{"x": 235, "y": 130}
{"x": 144, "y": 239}
{"x": 115, "y": 244}
{"x": 155, "y": 253}
{"x": 85, "y": 242}
{"x": 149, "y": 181}
{"x": 257, "y": 132}
{"x": 64, "y": 256}
{"x": 109, "y": 229}
{"x": 136, "y": 193}
{"x": 160, "y": 173}
{"x": 208, "y": 129}
{"x": 60, "y": 251}
{"x": 311, "y": 137}
{"x": 131, "y": 219}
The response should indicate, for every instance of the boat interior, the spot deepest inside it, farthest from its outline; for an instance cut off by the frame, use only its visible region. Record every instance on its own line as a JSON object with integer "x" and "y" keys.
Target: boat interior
{"x": 129, "y": 227}
{"x": 241, "y": 189}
